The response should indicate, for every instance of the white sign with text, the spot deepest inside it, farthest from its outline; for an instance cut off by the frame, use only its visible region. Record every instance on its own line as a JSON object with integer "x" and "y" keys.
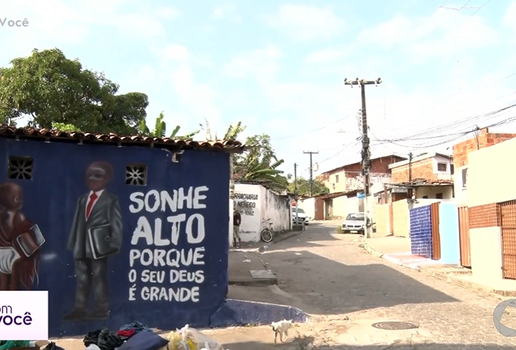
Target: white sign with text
{"x": 24, "y": 315}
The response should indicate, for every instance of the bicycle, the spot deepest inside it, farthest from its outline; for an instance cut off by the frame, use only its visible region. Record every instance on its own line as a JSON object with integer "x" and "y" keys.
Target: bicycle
{"x": 267, "y": 234}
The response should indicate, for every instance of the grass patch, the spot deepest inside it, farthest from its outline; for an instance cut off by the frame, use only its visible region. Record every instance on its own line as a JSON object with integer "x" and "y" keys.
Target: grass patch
{"x": 339, "y": 229}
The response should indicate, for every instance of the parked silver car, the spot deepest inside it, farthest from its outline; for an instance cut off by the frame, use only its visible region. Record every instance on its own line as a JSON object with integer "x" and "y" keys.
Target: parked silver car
{"x": 301, "y": 219}
{"x": 354, "y": 223}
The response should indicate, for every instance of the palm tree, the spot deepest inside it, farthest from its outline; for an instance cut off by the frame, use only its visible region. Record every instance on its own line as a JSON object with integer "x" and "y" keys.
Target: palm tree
{"x": 160, "y": 130}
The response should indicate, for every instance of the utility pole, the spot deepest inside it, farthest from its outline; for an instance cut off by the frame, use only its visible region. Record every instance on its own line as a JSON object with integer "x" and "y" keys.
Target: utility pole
{"x": 296, "y": 197}
{"x": 366, "y": 153}
{"x": 410, "y": 167}
{"x": 311, "y": 171}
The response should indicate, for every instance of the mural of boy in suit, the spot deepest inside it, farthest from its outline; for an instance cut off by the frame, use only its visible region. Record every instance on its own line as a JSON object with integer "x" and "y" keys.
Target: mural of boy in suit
{"x": 96, "y": 234}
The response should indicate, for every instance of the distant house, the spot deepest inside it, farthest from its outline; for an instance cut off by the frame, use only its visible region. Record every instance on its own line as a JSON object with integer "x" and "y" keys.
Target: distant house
{"x": 427, "y": 167}
{"x": 460, "y": 157}
{"x": 349, "y": 177}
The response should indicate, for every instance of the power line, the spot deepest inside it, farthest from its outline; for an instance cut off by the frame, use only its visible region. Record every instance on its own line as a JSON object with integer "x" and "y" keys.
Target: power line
{"x": 340, "y": 151}
{"x": 481, "y": 7}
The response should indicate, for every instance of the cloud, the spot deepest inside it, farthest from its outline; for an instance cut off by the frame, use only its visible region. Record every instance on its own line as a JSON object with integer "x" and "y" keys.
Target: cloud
{"x": 330, "y": 55}
{"x": 197, "y": 99}
{"x": 225, "y": 12}
{"x": 510, "y": 16}
{"x": 303, "y": 23}
{"x": 445, "y": 33}
{"x": 261, "y": 64}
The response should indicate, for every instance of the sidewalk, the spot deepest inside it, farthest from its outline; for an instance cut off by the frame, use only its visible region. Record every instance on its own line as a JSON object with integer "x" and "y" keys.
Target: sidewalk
{"x": 397, "y": 250}
{"x": 246, "y": 267}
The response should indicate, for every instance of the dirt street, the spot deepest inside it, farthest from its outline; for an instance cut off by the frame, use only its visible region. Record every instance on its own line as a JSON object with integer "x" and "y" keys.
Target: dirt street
{"x": 346, "y": 290}
{"x": 330, "y": 276}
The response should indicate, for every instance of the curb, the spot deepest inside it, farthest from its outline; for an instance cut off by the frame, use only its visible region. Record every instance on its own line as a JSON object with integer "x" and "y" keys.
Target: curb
{"x": 443, "y": 276}
{"x": 253, "y": 282}
{"x": 236, "y": 312}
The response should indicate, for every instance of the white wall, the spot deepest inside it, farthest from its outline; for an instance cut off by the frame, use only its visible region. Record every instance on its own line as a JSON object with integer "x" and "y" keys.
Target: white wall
{"x": 247, "y": 202}
{"x": 339, "y": 206}
{"x": 308, "y": 205}
{"x": 256, "y": 203}
{"x": 276, "y": 208}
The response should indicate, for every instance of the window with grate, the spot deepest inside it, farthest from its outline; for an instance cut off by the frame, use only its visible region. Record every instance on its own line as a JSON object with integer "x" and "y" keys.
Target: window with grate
{"x": 439, "y": 196}
{"x": 136, "y": 174}
{"x": 20, "y": 168}
{"x": 442, "y": 167}
{"x": 337, "y": 179}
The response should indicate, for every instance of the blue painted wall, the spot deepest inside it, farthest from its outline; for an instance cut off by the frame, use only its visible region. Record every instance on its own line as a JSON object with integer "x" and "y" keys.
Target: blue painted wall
{"x": 50, "y": 201}
{"x": 449, "y": 231}
{"x": 421, "y": 231}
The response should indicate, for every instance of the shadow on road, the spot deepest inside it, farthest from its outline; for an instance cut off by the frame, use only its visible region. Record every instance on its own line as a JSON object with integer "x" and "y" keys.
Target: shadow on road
{"x": 322, "y": 286}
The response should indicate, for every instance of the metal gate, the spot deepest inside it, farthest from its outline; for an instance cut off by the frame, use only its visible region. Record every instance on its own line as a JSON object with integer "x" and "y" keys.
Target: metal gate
{"x": 508, "y": 223}
{"x": 465, "y": 246}
{"x": 319, "y": 209}
{"x": 436, "y": 233}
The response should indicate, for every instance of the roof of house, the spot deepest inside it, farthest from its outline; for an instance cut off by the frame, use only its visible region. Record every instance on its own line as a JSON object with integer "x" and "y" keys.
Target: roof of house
{"x": 419, "y": 158}
{"x": 375, "y": 158}
{"x": 111, "y": 138}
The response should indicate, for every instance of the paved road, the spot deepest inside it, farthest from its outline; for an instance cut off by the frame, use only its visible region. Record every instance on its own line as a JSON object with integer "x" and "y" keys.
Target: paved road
{"x": 331, "y": 276}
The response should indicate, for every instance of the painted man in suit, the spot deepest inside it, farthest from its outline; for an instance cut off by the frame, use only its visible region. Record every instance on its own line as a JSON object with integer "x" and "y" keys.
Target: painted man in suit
{"x": 95, "y": 235}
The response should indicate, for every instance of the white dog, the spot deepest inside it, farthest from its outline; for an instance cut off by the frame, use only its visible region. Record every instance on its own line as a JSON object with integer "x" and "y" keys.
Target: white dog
{"x": 281, "y": 328}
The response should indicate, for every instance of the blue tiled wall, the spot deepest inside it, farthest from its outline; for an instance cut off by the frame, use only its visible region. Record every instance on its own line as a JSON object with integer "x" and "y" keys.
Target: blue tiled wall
{"x": 421, "y": 231}
{"x": 449, "y": 231}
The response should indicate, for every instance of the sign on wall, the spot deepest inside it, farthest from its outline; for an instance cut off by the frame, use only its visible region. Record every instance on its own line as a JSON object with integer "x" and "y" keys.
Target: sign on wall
{"x": 162, "y": 271}
{"x": 246, "y": 203}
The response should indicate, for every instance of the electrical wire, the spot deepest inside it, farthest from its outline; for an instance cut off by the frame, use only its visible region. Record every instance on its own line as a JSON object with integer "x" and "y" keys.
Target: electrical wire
{"x": 312, "y": 131}
{"x": 480, "y": 8}
{"x": 478, "y": 119}
{"x": 339, "y": 152}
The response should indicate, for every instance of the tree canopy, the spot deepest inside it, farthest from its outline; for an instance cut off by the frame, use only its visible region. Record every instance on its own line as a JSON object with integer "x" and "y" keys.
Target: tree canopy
{"x": 52, "y": 89}
{"x": 303, "y": 187}
{"x": 259, "y": 163}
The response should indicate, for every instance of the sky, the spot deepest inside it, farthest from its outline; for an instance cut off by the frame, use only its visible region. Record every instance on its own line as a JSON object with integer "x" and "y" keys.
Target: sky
{"x": 279, "y": 67}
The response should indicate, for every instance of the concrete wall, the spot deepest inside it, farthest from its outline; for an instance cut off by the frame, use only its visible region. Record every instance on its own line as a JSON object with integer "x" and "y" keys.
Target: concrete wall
{"x": 179, "y": 216}
{"x": 308, "y": 205}
{"x": 401, "y": 219}
{"x": 487, "y": 187}
{"x": 461, "y": 152}
{"x": 247, "y": 200}
{"x": 256, "y": 203}
{"x": 340, "y": 206}
{"x": 449, "y": 233}
{"x": 277, "y": 208}
{"x": 382, "y": 219}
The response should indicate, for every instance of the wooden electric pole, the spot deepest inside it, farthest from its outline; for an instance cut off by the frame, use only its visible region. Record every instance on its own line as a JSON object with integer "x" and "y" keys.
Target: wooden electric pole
{"x": 366, "y": 153}
{"x": 311, "y": 171}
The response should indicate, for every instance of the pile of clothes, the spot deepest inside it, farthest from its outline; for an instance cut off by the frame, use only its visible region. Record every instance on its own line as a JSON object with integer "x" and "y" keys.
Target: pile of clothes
{"x": 136, "y": 336}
